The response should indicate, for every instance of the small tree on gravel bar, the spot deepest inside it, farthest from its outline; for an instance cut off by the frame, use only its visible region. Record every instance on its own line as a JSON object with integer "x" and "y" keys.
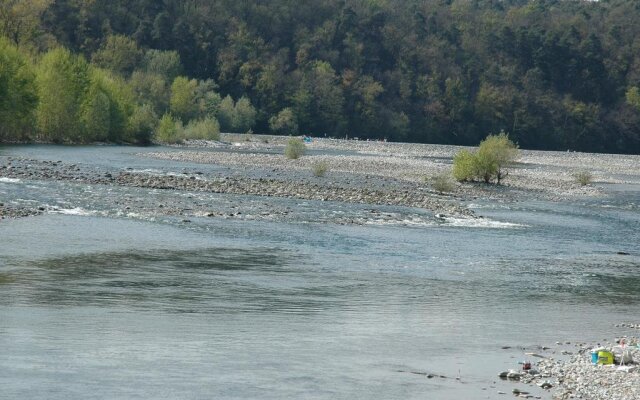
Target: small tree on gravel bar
{"x": 494, "y": 154}
{"x": 464, "y": 166}
{"x": 583, "y": 177}
{"x": 441, "y": 183}
{"x": 295, "y": 148}
{"x": 319, "y": 168}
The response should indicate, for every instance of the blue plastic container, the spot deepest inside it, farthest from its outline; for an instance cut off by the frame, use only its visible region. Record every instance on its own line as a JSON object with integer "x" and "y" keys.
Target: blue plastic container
{"x": 594, "y": 357}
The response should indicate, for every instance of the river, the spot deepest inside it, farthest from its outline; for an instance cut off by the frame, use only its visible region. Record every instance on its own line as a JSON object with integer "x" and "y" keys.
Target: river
{"x": 99, "y": 303}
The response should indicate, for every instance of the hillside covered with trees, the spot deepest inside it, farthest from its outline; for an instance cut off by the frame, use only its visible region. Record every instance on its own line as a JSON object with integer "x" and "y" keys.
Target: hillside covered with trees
{"x": 554, "y": 74}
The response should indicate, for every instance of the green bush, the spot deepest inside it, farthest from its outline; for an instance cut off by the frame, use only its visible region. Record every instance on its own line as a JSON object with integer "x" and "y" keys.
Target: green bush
{"x": 464, "y": 166}
{"x": 319, "y": 168}
{"x": 204, "y": 129}
{"x": 494, "y": 154}
{"x": 142, "y": 123}
{"x": 583, "y": 177}
{"x": 295, "y": 148}
{"x": 442, "y": 183}
{"x": 167, "y": 131}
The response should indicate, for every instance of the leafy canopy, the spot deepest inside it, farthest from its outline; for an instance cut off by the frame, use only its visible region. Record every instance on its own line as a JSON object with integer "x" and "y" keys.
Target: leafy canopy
{"x": 494, "y": 154}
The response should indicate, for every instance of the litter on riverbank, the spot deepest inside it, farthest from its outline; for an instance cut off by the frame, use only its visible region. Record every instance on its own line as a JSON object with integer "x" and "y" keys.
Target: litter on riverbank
{"x": 583, "y": 376}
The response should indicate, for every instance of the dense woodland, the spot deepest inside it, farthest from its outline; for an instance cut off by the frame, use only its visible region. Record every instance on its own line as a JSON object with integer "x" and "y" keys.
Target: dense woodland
{"x": 554, "y": 74}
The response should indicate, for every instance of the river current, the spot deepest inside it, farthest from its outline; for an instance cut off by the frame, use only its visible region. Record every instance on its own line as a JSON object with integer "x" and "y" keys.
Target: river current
{"x": 96, "y": 303}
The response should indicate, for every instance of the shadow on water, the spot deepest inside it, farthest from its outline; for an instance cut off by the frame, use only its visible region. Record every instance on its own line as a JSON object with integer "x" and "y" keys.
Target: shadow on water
{"x": 6, "y": 278}
{"x": 204, "y": 281}
{"x": 578, "y": 281}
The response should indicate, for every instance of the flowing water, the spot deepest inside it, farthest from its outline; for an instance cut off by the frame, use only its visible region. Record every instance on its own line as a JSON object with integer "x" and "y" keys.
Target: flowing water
{"x": 100, "y": 303}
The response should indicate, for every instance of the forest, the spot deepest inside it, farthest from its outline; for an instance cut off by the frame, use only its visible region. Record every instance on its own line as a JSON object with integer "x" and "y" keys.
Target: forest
{"x": 553, "y": 74}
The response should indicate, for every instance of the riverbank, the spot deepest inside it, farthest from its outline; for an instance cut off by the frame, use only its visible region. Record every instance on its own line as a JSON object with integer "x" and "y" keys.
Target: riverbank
{"x": 543, "y": 175}
{"x": 568, "y": 372}
{"x": 368, "y": 173}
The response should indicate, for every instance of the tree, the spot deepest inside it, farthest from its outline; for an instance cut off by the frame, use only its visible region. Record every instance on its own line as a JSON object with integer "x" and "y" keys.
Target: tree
{"x": 106, "y": 109}
{"x": 207, "y": 99}
{"x": 142, "y": 124}
{"x": 96, "y": 115}
{"x": 465, "y": 166}
{"x": 164, "y": 63}
{"x": 633, "y": 97}
{"x": 284, "y": 122}
{"x": 167, "y": 131}
{"x": 494, "y": 154}
{"x": 226, "y": 114}
{"x": 18, "y": 93}
{"x": 21, "y": 20}
{"x": 63, "y": 80}
{"x": 151, "y": 89}
{"x": 245, "y": 115}
{"x": 119, "y": 54}
{"x": 183, "y": 103}
{"x": 430, "y": 71}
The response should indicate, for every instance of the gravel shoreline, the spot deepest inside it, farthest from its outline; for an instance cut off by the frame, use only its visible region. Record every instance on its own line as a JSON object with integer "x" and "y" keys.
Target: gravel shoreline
{"x": 373, "y": 173}
{"x": 542, "y": 175}
{"x": 570, "y": 374}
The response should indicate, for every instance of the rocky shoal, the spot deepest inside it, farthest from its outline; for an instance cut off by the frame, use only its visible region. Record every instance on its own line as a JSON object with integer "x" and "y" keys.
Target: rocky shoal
{"x": 420, "y": 197}
{"x": 545, "y": 175}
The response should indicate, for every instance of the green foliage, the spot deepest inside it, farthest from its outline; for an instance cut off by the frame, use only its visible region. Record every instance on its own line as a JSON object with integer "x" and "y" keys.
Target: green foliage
{"x": 163, "y": 63}
{"x": 119, "y": 54}
{"x": 294, "y": 149}
{"x": 183, "y": 98}
{"x": 209, "y": 104}
{"x": 204, "y": 129}
{"x": 18, "y": 94}
{"x": 245, "y": 115}
{"x": 583, "y": 177}
{"x": 96, "y": 116}
{"x": 434, "y": 71}
{"x": 226, "y": 114}
{"x": 151, "y": 89}
{"x": 142, "y": 124}
{"x": 21, "y": 20}
{"x": 235, "y": 117}
{"x": 284, "y": 122}
{"x": 633, "y": 97}
{"x": 207, "y": 99}
{"x": 494, "y": 154}
{"x": 319, "y": 168}
{"x": 121, "y": 105}
{"x": 63, "y": 81}
{"x": 168, "y": 129}
{"x": 465, "y": 166}
{"x": 318, "y": 102}
{"x": 442, "y": 183}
